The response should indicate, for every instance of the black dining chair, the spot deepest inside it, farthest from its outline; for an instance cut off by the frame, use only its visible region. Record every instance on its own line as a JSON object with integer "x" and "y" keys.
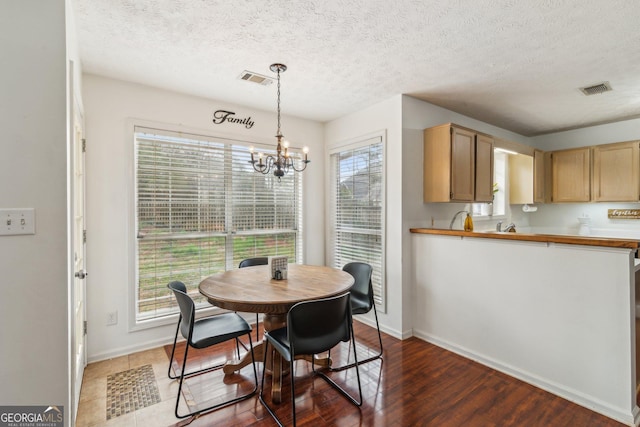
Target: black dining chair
{"x": 250, "y": 262}
{"x": 313, "y": 327}
{"x": 362, "y": 302}
{"x": 203, "y": 333}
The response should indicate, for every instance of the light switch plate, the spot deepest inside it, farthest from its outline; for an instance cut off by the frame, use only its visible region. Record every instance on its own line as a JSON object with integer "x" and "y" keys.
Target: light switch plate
{"x": 17, "y": 221}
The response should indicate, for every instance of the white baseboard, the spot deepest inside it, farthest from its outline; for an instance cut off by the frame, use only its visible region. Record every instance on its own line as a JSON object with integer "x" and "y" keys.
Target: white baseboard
{"x": 123, "y": 351}
{"x": 393, "y": 332}
{"x": 575, "y": 396}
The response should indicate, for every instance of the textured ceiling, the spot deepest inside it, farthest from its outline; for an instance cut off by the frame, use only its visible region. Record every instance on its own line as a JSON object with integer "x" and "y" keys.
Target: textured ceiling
{"x": 516, "y": 64}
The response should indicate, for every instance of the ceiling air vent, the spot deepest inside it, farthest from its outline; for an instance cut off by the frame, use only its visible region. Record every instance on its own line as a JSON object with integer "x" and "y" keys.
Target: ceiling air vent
{"x": 250, "y": 76}
{"x": 596, "y": 89}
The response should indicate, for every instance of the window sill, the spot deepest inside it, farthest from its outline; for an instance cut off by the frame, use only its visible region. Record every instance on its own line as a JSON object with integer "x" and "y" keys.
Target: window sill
{"x": 487, "y": 218}
{"x": 172, "y": 319}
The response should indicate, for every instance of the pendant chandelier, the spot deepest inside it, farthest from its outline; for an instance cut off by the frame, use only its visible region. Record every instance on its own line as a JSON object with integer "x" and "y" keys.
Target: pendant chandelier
{"x": 282, "y": 161}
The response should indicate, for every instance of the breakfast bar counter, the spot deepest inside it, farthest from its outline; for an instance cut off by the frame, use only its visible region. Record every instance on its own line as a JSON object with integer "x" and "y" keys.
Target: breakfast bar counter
{"x": 556, "y": 311}
{"x": 531, "y": 237}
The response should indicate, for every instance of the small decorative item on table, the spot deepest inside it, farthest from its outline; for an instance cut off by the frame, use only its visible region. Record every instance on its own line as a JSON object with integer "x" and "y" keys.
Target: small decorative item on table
{"x": 279, "y": 265}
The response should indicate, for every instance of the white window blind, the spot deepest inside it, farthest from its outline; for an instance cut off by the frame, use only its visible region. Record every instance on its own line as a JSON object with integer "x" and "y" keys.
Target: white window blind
{"x": 200, "y": 210}
{"x": 357, "y": 209}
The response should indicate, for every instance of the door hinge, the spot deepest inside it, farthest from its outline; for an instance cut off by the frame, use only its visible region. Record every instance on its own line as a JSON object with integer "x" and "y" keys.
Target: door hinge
{"x": 84, "y": 236}
{"x": 84, "y": 145}
{"x": 84, "y": 327}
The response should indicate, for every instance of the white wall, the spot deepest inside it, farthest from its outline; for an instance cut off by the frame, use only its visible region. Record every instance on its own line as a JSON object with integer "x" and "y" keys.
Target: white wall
{"x": 109, "y": 106}
{"x": 384, "y": 116}
{"x": 566, "y": 328}
{"x": 34, "y": 302}
{"x": 627, "y": 130}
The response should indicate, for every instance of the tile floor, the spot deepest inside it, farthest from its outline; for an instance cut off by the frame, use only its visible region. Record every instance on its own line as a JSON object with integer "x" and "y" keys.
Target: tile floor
{"x": 93, "y": 397}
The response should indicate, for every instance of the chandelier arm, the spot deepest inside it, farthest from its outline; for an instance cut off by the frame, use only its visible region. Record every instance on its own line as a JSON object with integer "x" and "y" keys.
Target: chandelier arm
{"x": 304, "y": 165}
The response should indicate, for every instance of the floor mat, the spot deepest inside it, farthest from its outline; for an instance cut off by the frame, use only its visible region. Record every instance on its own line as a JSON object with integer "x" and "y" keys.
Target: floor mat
{"x": 130, "y": 390}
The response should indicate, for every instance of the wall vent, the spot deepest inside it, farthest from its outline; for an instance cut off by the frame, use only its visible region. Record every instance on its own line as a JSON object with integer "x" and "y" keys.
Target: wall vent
{"x": 596, "y": 89}
{"x": 250, "y": 76}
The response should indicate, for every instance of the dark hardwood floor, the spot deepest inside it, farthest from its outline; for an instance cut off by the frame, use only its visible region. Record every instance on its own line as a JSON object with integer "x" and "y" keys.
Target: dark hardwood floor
{"x": 418, "y": 384}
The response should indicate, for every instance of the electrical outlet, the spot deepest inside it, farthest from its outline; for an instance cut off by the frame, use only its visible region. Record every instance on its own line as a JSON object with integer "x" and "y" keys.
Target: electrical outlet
{"x": 112, "y": 318}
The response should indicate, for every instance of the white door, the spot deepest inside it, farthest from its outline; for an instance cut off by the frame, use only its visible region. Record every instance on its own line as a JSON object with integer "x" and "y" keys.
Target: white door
{"x": 79, "y": 243}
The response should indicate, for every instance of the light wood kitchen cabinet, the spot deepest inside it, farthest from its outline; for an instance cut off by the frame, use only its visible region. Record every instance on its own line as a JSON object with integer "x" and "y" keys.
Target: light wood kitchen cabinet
{"x": 571, "y": 175}
{"x": 458, "y": 165}
{"x": 616, "y": 172}
{"x": 484, "y": 168}
{"x": 538, "y": 177}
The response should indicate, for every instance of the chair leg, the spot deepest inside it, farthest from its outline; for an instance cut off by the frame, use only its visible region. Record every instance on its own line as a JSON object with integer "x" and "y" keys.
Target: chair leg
{"x": 261, "y": 394}
{"x": 377, "y": 356}
{"x": 335, "y": 385}
{"x": 173, "y": 350}
{"x": 219, "y": 405}
{"x": 293, "y": 389}
{"x": 257, "y": 335}
{"x": 184, "y": 365}
{"x": 187, "y": 375}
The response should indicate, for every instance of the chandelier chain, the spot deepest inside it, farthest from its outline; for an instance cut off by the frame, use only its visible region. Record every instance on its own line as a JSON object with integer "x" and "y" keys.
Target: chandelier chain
{"x": 279, "y": 101}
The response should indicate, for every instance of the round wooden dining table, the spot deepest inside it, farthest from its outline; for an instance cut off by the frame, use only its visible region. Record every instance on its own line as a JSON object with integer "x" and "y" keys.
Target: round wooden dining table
{"x": 252, "y": 290}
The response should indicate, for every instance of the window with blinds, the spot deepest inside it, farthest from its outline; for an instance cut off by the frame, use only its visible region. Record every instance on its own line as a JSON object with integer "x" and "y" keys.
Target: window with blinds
{"x": 357, "y": 209}
{"x": 200, "y": 210}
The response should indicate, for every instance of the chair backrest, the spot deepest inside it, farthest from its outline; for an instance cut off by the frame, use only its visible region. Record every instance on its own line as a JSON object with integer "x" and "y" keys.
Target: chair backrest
{"x": 187, "y": 307}
{"x": 362, "y": 289}
{"x": 250, "y": 262}
{"x": 318, "y": 325}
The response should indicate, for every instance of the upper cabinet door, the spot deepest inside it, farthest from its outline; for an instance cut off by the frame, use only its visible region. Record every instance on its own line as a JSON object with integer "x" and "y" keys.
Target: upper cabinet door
{"x": 538, "y": 177}
{"x": 521, "y": 179}
{"x": 484, "y": 168}
{"x": 571, "y": 175}
{"x": 463, "y": 161}
{"x": 616, "y": 176}
{"x": 458, "y": 165}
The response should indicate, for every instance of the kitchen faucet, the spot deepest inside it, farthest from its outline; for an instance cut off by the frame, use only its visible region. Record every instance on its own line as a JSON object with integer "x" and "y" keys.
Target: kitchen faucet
{"x": 454, "y": 218}
{"x": 509, "y": 228}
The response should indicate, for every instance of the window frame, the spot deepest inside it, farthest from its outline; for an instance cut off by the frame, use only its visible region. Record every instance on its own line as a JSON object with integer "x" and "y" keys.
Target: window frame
{"x": 353, "y": 144}
{"x": 133, "y": 126}
{"x": 479, "y": 209}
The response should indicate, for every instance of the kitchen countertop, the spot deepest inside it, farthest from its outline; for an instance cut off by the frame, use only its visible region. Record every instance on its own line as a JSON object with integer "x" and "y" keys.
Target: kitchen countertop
{"x": 529, "y": 237}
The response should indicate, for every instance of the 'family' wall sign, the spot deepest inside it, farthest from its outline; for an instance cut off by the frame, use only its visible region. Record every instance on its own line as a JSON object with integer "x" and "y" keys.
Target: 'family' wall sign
{"x": 221, "y": 116}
